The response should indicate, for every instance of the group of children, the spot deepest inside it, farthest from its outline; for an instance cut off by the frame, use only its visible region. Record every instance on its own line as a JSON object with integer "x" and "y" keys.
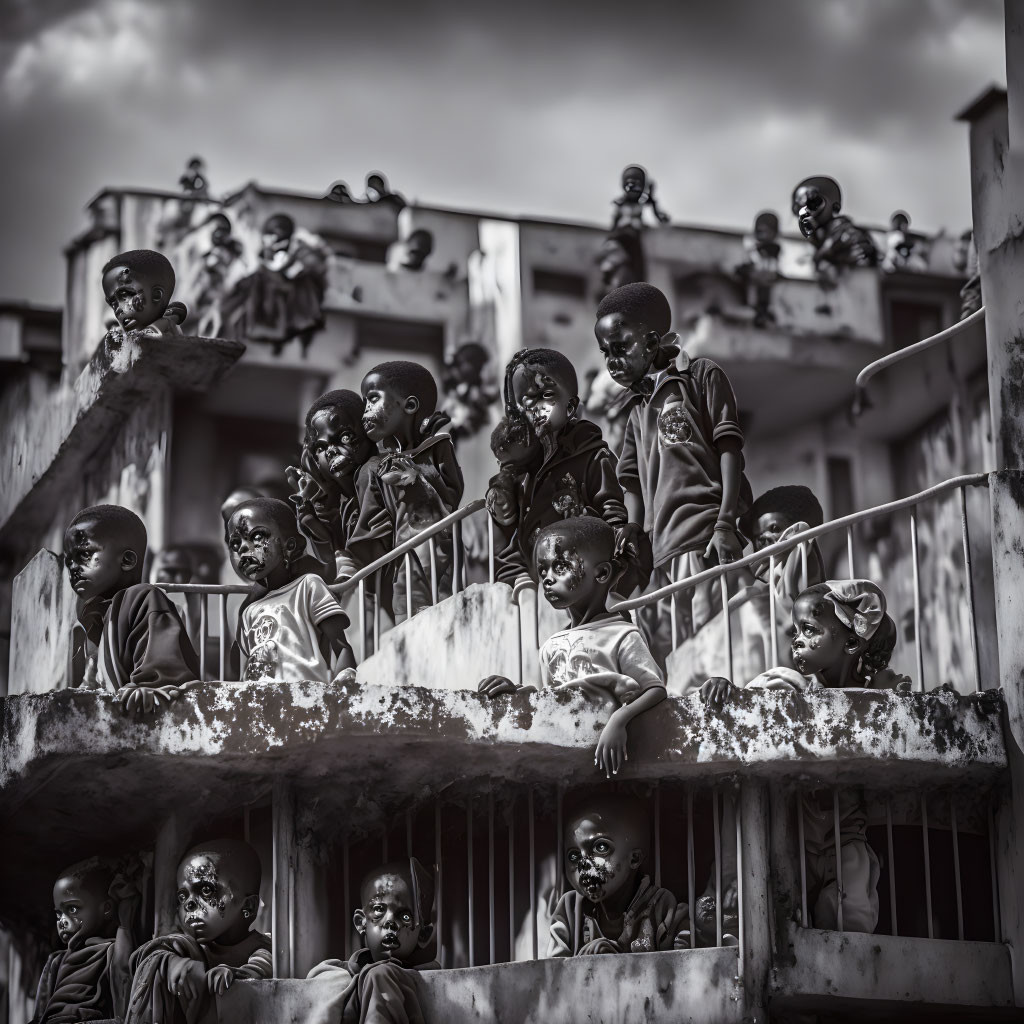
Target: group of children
{"x": 588, "y": 525}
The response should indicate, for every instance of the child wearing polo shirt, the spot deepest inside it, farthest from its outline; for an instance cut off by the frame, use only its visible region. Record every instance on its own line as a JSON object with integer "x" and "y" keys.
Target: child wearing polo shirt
{"x": 681, "y": 466}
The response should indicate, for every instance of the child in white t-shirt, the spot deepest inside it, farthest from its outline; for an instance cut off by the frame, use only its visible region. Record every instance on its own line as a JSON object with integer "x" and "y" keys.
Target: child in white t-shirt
{"x": 602, "y": 652}
{"x": 291, "y": 628}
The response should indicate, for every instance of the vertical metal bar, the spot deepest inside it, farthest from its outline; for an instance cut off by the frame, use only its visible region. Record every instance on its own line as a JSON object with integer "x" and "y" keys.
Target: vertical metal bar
{"x": 559, "y": 858}
{"x": 969, "y": 587}
{"x": 803, "y": 859}
{"x": 918, "y": 648}
{"x": 456, "y": 554}
{"x": 533, "y": 871}
{"x": 275, "y": 931}
{"x": 718, "y": 868}
{"x": 739, "y": 882}
{"x": 222, "y": 610}
{"x": 803, "y": 565}
{"x": 408, "y": 834}
{"x": 849, "y": 551}
{"x": 519, "y": 643}
{"x": 892, "y": 867}
{"x": 202, "y": 637}
{"x": 673, "y": 621}
{"x": 837, "y": 842}
{"x": 490, "y": 550}
{"x": 291, "y": 919}
{"x": 490, "y": 877}
{"x": 346, "y": 914}
{"x": 376, "y": 611}
{"x": 361, "y": 596}
{"x": 955, "y": 835}
{"x": 469, "y": 876}
{"x": 408, "y": 584}
{"x": 691, "y": 870}
{"x": 433, "y": 570}
{"x": 727, "y": 618}
{"x": 996, "y": 922}
{"x": 927, "y": 866}
{"x": 439, "y": 902}
{"x": 512, "y": 880}
{"x": 657, "y": 835}
{"x": 772, "y": 611}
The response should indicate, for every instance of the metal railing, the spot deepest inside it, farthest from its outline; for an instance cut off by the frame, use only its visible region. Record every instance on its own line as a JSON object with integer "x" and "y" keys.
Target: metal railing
{"x": 845, "y": 525}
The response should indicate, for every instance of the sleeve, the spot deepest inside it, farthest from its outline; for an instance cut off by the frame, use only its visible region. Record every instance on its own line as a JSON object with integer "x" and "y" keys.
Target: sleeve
{"x": 627, "y": 470}
{"x": 546, "y": 679}
{"x": 373, "y": 531}
{"x": 561, "y": 939}
{"x": 259, "y": 964}
{"x": 451, "y": 486}
{"x": 720, "y": 404}
{"x": 636, "y": 661}
{"x": 604, "y": 492}
{"x": 159, "y": 649}
{"x": 320, "y": 602}
{"x": 509, "y": 563}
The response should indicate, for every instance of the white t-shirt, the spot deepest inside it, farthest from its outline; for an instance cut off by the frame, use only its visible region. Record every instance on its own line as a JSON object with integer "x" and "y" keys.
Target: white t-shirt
{"x": 608, "y": 644}
{"x": 278, "y": 637}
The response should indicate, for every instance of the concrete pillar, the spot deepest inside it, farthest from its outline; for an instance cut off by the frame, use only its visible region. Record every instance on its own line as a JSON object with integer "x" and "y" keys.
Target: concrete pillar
{"x": 42, "y": 616}
{"x": 997, "y": 155}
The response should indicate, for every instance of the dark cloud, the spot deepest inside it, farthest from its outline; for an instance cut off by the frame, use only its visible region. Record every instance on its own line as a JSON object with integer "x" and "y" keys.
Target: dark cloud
{"x": 523, "y": 108}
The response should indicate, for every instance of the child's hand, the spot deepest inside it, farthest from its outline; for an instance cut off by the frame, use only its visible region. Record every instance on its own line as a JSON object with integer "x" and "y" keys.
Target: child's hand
{"x": 611, "y": 753}
{"x": 597, "y": 946}
{"x": 144, "y": 700}
{"x": 218, "y": 979}
{"x": 726, "y": 545}
{"x": 714, "y": 692}
{"x": 495, "y": 686}
{"x": 501, "y": 505}
{"x": 627, "y": 540}
{"x": 185, "y": 978}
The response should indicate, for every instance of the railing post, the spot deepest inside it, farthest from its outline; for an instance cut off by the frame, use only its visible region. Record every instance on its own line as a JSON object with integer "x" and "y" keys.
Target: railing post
{"x": 756, "y": 906}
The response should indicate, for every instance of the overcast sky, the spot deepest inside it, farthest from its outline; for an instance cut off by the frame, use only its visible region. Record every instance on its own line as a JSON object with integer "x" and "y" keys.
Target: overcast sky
{"x": 530, "y": 107}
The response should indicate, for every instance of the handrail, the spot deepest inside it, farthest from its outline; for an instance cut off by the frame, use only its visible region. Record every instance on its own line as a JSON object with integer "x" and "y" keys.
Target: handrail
{"x": 783, "y": 546}
{"x": 409, "y": 545}
{"x": 878, "y": 365}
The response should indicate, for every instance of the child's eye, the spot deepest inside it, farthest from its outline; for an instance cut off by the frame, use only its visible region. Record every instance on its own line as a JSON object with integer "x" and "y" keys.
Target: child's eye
{"x": 602, "y": 846}
{"x": 407, "y": 918}
{"x": 182, "y": 895}
{"x": 574, "y": 856}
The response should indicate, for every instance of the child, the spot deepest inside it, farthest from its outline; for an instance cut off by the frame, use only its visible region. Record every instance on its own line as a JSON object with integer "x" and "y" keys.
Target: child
{"x": 394, "y": 921}
{"x": 844, "y": 639}
{"x": 291, "y": 623}
{"x": 337, "y": 465}
{"x": 777, "y": 515}
{"x": 613, "y": 907}
{"x": 576, "y": 475}
{"x": 681, "y": 466}
{"x": 143, "y": 653}
{"x": 416, "y": 482}
{"x": 602, "y": 652}
{"x": 89, "y": 980}
{"x": 138, "y": 286}
{"x": 218, "y": 897}
{"x": 517, "y": 452}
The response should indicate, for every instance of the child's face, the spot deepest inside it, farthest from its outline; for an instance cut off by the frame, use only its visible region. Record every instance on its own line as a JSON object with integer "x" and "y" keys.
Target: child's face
{"x": 79, "y": 910}
{"x": 388, "y": 920}
{"x": 628, "y": 347}
{"x": 136, "y": 301}
{"x": 769, "y": 529}
{"x": 633, "y": 182}
{"x": 210, "y": 904}
{"x": 385, "y": 412}
{"x": 812, "y": 209}
{"x": 255, "y": 543}
{"x": 339, "y": 446}
{"x": 569, "y": 573}
{"x": 96, "y": 564}
{"x": 821, "y": 640}
{"x": 547, "y": 403}
{"x": 516, "y": 451}
{"x": 172, "y": 567}
{"x": 601, "y": 858}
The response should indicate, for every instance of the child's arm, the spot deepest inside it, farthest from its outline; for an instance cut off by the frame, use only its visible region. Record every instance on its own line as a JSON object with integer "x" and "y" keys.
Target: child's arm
{"x": 611, "y": 752}
{"x": 627, "y": 539}
{"x": 451, "y": 484}
{"x": 495, "y": 686}
{"x": 725, "y": 541}
{"x": 333, "y": 631}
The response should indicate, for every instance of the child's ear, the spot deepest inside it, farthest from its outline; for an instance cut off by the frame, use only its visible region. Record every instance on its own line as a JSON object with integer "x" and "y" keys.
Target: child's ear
{"x": 108, "y": 907}
{"x": 670, "y": 338}
{"x": 603, "y": 571}
{"x": 292, "y": 545}
{"x": 426, "y": 934}
{"x": 157, "y": 293}
{"x": 636, "y": 858}
{"x": 252, "y": 905}
{"x": 359, "y": 920}
{"x": 854, "y": 644}
{"x": 573, "y": 406}
{"x": 129, "y": 560}
{"x": 411, "y": 405}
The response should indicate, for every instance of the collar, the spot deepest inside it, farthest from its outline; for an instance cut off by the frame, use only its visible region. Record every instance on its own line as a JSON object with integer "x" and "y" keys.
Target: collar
{"x": 648, "y": 386}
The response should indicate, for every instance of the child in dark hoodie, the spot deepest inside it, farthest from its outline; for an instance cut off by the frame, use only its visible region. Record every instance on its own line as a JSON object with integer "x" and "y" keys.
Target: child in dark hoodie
{"x": 576, "y": 472}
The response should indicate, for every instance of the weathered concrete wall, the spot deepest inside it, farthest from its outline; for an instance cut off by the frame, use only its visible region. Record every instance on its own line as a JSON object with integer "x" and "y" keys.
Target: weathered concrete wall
{"x": 453, "y": 644}
{"x": 696, "y": 986}
{"x": 861, "y": 972}
{"x": 42, "y": 618}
